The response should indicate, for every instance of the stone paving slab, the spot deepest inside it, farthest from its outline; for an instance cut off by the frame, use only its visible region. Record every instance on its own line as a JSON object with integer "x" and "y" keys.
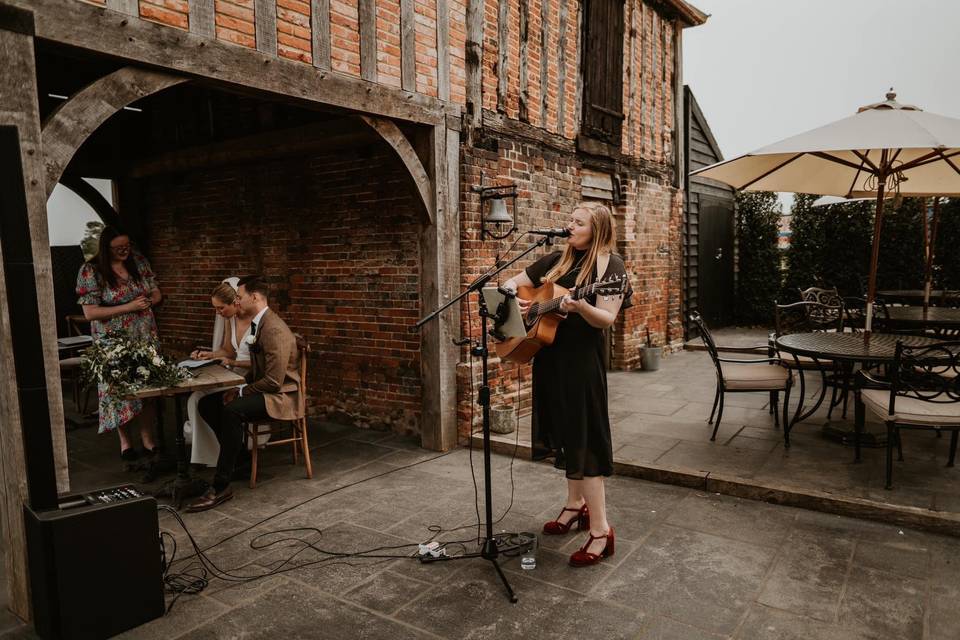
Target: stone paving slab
{"x": 689, "y": 564}
{"x": 660, "y": 432}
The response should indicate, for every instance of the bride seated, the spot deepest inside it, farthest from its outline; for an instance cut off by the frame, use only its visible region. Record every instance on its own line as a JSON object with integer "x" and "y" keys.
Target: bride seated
{"x": 230, "y": 330}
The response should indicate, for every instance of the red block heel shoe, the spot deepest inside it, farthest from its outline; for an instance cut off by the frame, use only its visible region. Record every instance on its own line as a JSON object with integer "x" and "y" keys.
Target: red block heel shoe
{"x": 556, "y": 528}
{"x": 583, "y": 558}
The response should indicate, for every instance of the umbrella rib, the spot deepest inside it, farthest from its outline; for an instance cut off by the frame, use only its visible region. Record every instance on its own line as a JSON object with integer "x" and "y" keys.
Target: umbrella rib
{"x": 854, "y": 181}
{"x": 764, "y": 175}
{"x": 949, "y": 162}
{"x": 827, "y": 156}
{"x": 933, "y": 156}
{"x": 866, "y": 158}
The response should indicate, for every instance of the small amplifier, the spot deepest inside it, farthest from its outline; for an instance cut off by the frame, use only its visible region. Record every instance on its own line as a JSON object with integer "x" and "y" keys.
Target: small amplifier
{"x": 95, "y": 565}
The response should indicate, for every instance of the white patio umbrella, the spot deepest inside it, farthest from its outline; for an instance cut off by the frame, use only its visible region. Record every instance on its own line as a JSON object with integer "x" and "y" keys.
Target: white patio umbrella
{"x": 885, "y": 147}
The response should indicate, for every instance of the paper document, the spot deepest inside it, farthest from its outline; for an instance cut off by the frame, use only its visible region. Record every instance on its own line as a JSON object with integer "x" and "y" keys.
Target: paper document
{"x": 195, "y": 364}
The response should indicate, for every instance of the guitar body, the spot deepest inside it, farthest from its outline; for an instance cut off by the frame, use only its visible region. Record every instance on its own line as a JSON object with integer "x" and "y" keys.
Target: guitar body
{"x": 539, "y": 334}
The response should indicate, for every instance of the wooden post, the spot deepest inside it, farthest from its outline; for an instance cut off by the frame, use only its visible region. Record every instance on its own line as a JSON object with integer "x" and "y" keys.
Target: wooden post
{"x": 544, "y": 59}
{"x": 19, "y": 109}
{"x": 320, "y": 32}
{"x": 443, "y": 50}
{"x": 439, "y": 282}
{"x": 562, "y": 69}
{"x": 473, "y": 61}
{"x": 201, "y": 18}
{"x": 129, "y": 7}
{"x": 503, "y": 43}
{"x": 679, "y": 130}
{"x": 408, "y": 46}
{"x": 265, "y": 17}
{"x": 367, "y": 16}
{"x": 524, "y": 9}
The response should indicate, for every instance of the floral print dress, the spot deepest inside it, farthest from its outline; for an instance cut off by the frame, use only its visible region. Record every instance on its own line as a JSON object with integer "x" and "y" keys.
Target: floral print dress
{"x": 92, "y": 289}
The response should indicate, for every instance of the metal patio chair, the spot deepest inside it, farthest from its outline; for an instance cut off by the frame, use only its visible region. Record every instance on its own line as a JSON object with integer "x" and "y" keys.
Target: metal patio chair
{"x": 742, "y": 376}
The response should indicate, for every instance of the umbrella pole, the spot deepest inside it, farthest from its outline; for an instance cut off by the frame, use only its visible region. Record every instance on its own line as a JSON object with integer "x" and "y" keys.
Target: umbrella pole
{"x": 932, "y": 240}
{"x": 875, "y": 253}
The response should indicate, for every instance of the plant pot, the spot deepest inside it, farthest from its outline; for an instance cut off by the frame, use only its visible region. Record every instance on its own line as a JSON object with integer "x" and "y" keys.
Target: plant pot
{"x": 650, "y": 358}
{"x": 503, "y": 419}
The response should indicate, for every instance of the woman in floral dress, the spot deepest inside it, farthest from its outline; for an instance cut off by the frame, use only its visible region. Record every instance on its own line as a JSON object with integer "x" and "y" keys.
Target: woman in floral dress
{"x": 117, "y": 290}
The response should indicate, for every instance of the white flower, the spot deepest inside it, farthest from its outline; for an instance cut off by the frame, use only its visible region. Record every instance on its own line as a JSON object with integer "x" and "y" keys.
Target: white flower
{"x": 251, "y": 339}
{"x": 143, "y": 372}
{"x": 157, "y": 361}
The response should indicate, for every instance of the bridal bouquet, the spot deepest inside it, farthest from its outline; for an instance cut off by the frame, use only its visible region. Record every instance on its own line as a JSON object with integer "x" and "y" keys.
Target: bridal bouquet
{"x": 125, "y": 365}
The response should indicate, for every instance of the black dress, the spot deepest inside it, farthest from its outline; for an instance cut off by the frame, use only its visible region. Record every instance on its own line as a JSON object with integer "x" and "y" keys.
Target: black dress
{"x": 570, "y": 421}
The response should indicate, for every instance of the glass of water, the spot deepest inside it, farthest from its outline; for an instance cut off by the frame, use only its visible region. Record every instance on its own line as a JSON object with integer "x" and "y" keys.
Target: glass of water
{"x": 529, "y": 558}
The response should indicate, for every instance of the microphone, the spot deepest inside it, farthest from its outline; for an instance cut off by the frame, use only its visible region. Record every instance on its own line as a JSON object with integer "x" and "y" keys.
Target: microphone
{"x": 551, "y": 233}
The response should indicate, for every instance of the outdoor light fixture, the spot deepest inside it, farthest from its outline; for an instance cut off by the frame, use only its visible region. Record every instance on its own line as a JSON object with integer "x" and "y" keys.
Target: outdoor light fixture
{"x": 498, "y": 217}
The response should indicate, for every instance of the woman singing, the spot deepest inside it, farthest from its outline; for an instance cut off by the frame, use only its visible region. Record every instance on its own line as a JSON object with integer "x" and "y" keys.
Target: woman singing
{"x": 570, "y": 420}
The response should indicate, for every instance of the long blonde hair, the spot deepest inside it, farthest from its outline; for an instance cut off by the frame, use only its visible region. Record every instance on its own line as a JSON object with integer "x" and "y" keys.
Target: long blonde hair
{"x": 604, "y": 241}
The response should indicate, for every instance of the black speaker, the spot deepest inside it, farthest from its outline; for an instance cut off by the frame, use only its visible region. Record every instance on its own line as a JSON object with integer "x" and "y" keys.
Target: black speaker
{"x": 95, "y": 565}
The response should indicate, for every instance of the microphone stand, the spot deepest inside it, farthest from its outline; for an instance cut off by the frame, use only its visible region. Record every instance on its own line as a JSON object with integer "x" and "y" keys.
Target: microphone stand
{"x": 489, "y": 550}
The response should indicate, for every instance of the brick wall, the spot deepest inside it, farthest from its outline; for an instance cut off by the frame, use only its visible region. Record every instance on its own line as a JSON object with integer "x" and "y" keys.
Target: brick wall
{"x": 340, "y": 252}
{"x": 547, "y": 176}
{"x": 552, "y": 46}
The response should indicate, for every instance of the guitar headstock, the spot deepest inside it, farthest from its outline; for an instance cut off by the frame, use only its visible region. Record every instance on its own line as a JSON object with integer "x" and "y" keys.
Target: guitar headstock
{"x": 614, "y": 285}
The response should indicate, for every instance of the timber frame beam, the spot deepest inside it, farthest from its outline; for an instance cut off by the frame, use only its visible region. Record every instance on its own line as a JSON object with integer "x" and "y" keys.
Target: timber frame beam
{"x": 393, "y": 136}
{"x": 69, "y": 126}
{"x": 114, "y": 34}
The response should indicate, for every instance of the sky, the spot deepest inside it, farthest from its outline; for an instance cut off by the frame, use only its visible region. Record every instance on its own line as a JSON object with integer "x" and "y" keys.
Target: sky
{"x": 67, "y": 214}
{"x": 764, "y": 70}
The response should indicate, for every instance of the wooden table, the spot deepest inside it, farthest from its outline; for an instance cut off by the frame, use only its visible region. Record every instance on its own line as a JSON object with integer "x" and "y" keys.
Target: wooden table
{"x": 205, "y": 378}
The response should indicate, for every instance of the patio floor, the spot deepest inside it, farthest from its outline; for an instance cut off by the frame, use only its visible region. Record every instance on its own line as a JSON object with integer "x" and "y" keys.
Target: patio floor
{"x": 689, "y": 564}
{"x": 660, "y": 432}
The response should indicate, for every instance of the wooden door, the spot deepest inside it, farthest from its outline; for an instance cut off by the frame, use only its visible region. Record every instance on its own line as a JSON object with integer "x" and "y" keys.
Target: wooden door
{"x": 715, "y": 270}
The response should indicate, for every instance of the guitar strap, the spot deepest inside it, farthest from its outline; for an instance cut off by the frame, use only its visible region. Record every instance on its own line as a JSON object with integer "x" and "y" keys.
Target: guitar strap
{"x": 603, "y": 261}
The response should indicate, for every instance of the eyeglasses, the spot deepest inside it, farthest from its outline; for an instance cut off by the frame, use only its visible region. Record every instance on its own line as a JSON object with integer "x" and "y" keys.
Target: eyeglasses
{"x": 121, "y": 248}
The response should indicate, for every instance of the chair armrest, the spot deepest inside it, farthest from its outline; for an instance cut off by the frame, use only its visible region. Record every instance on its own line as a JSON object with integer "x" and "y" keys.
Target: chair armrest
{"x": 777, "y": 360}
{"x": 866, "y": 381}
{"x": 753, "y": 349}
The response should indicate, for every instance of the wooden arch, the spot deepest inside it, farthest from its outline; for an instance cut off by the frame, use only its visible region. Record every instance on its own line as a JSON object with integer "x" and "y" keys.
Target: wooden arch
{"x": 69, "y": 126}
{"x": 392, "y": 134}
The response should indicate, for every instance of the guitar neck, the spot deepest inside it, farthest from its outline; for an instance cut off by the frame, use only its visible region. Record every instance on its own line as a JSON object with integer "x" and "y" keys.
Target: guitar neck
{"x": 554, "y": 304}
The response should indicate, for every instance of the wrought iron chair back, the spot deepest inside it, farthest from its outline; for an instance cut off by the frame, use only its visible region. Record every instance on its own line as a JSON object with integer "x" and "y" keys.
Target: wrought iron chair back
{"x": 819, "y": 294}
{"x": 855, "y": 313}
{"x": 801, "y": 317}
{"x": 708, "y": 341}
{"x": 930, "y": 373}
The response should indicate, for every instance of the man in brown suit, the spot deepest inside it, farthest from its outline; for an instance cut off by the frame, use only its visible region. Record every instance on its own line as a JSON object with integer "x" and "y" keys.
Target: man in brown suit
{"x": 272, "y": 389}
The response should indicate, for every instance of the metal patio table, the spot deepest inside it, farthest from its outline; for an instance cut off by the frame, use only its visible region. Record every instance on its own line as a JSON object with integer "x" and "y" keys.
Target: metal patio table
{"x": 846, "y": 349}
{"x": 917, "y": 318}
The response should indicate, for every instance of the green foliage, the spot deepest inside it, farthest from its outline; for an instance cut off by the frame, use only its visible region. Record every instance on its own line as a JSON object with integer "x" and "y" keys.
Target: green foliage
{"x": 830, "y": 246}
{"x": 125, "y": 365}
{"x": 901, "y": 261}
{"x": 947, "y": 257}
{"x": 758, "y": 224}
{"x": 91, "y": 236}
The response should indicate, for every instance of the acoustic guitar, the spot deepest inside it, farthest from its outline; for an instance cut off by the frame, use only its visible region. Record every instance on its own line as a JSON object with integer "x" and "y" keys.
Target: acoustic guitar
{"x": 544, "y": 315}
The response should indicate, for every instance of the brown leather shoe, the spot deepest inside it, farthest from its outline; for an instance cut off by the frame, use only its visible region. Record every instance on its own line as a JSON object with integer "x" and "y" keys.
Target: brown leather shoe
{"x": 210, "y": 499}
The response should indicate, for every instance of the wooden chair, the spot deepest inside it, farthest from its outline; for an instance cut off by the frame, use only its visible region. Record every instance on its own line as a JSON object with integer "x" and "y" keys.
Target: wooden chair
{"x": 738, "y": 376}
{"x": 923, "y": 393}
{"x": 295, "y": 434}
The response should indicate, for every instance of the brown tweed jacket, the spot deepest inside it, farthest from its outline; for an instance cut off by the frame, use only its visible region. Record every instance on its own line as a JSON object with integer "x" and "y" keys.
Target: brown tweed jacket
{"x": 274, "y": 370}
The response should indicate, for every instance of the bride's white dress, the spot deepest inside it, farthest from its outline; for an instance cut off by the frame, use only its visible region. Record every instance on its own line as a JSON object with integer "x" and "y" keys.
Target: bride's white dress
{"x": 205, "y": 447}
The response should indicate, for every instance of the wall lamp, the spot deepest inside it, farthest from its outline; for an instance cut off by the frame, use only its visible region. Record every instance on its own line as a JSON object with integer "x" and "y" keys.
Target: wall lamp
{"x": 497, "y": 216}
